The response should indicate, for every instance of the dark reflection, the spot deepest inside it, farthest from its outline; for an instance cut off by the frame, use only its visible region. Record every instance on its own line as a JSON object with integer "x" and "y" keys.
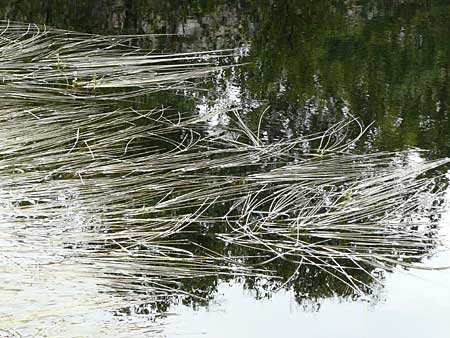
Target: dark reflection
{"x": 382, "y": 63}
{"x": 312, "y": 62}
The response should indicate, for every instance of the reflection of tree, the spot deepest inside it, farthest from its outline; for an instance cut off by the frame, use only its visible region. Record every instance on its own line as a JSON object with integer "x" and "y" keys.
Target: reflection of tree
{"x": 331, "y": 260}
{"x": 87, "y": 16}
{"x": 389, "y": 69}
{"x": 313, "y": 62}
{"x": 172, "y": 223}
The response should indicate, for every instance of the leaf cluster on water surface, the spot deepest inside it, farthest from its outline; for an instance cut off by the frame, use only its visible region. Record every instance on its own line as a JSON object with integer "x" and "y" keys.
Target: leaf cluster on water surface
{"x": 137, "y": 207}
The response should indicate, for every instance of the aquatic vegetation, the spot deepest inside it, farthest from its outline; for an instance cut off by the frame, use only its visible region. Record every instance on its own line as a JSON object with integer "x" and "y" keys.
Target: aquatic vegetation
{"x": 38, "y": 63}
{"x": 106, "y": 207}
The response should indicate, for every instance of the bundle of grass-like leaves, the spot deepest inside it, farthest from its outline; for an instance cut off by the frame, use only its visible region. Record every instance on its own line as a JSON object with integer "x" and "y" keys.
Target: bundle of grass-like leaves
{"x": 105, "y": 207}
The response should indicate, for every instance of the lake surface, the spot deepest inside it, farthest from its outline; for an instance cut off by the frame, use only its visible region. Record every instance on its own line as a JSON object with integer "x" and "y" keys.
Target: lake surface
{"x": 306, "y": 65}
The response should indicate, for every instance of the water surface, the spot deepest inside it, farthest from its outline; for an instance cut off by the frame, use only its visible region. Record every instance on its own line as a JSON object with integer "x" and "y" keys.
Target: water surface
{"x": 307, "y": 65}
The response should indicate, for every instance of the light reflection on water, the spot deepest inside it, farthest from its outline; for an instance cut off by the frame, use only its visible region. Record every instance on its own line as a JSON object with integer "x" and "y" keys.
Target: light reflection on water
{"x": 410, "y": 304}
{"x": 309, "y": 76}
{"x": 51, "y": 289}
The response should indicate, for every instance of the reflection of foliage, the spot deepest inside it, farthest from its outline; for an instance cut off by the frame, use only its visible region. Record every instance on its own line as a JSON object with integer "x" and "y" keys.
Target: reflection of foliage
{"x": 312, "y": 60}
{"x": 389, "y": 68}
{"x": 164, "y": 211}
{"x": 167, "y": 217}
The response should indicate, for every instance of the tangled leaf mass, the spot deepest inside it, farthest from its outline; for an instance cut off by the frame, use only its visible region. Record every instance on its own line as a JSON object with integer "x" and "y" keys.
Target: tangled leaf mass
{"x": 105, "y": 207}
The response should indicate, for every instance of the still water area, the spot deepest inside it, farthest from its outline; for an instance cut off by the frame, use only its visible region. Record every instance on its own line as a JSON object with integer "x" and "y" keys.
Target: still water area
{"x": 289, "y": 69}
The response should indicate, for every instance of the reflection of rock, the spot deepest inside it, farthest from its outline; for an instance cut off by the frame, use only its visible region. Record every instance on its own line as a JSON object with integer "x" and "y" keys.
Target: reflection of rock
{"x": 221, "y": 28}
{"x": 117, "y": 20}
{"x": 118, "y": 15}
{"x": 109, "y": 15}
{"x": 190, "y": 27}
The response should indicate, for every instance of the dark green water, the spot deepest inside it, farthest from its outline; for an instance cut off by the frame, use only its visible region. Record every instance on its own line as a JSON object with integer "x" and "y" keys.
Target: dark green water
{"x": 311, "y": 63}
